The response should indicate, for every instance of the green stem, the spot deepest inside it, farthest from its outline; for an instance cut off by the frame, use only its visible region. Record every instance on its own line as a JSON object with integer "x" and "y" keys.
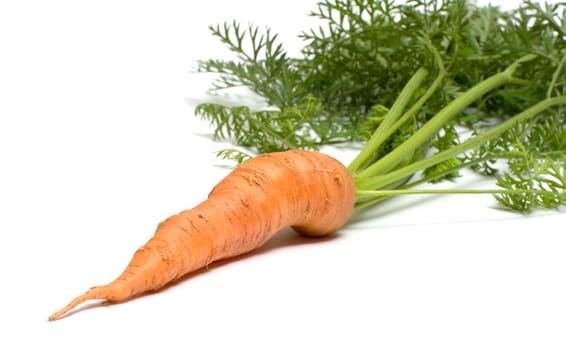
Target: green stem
{"x": 381, "y": 195}
{"x": 429, "y": 129}
{"x": 555, "y": 76}
{"x": 405, "y": 118}
{"x": 384, "y": 180}
{"x": 381, "y": 133}
{"x": 418, "y": 105}
{"x": 390, "y": 193}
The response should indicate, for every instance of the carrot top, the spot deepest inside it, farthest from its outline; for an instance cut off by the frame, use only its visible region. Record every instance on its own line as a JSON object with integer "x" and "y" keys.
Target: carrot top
{"x": 428, "y": 88}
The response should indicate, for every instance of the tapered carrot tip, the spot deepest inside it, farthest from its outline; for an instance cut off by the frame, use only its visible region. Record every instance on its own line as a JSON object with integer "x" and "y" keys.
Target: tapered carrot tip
{"x": 93, "y": 293}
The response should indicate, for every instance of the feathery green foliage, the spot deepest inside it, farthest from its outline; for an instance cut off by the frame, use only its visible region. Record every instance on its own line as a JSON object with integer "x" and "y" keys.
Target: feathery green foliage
{"x": 410, "y": 79}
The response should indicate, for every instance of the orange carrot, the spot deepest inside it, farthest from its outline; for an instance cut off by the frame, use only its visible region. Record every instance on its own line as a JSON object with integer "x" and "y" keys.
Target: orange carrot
{"x": 309, "y": 191}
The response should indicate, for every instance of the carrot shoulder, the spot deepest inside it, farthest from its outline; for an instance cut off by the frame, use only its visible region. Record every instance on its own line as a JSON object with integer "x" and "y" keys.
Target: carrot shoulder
{"x": 309, "y": 191}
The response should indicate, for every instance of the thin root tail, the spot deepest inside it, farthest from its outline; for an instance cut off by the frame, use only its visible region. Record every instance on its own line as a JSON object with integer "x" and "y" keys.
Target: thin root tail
{"x": 93, "y": 293}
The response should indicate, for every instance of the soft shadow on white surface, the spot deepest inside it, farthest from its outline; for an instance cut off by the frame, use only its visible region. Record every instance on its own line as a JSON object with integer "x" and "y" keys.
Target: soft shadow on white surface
{"x": 285, "y": 239}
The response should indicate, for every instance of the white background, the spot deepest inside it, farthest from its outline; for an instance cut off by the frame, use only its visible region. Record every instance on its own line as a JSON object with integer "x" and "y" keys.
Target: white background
{"x": 98, "y": 143}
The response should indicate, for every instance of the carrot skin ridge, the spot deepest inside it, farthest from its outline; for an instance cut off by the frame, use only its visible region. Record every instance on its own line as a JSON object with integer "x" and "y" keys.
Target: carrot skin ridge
{"x": 309, "y": 191}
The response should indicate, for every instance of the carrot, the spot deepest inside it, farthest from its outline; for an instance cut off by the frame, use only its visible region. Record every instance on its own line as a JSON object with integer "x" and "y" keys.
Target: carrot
{"x": 309, "y": 191}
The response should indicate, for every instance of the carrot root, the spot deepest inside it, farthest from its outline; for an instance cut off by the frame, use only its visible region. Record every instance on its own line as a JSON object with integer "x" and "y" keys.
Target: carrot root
{"x": 309, "y": 191}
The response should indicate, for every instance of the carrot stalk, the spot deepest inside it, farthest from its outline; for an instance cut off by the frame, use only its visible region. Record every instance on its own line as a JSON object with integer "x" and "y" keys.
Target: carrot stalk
{"x": 309, "y": 191}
